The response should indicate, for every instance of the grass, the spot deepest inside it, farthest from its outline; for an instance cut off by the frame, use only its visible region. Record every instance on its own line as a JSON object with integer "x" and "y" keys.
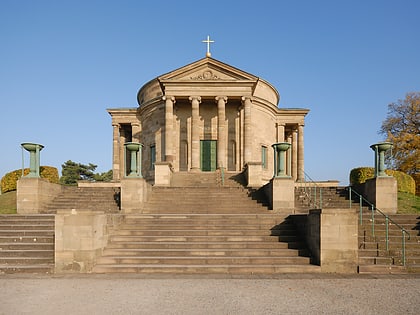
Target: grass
{"x": 8, "y": 203}
{"x": 408, "y": 203}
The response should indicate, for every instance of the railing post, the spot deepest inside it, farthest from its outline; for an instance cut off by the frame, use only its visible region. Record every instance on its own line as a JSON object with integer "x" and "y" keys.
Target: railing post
{"x": 403, "y": 247}
{"x": 386, "y": 232}
{"x": 320, "y": 198}
{"x": 373, "y": 221}
{"x": 361, "y": 209}
{"x": 350, "y": 197}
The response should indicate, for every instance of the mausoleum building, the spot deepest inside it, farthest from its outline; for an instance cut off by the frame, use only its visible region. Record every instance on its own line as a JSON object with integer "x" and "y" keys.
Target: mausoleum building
{"x": 207, "y": 116}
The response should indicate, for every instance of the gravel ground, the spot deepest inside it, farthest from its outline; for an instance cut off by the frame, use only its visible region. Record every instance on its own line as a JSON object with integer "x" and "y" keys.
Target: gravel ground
{"x": 286, "y": 294}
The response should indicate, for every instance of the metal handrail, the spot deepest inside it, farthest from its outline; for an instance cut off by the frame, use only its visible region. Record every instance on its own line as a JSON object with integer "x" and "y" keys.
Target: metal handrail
{"x": 312, "y": 201}
{"x": 387, "y": 220}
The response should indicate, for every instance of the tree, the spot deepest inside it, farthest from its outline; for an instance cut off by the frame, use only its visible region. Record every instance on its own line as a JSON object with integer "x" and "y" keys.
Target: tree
{"x": 402, "y": 128}
{"x": 103, "y": 177}
{"x": 72, "y": 172}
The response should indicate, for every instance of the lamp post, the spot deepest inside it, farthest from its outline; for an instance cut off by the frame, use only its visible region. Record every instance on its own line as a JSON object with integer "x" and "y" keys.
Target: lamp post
{"x": 134, "y": 148}
{"x": 280, "y": 158}
{"x": 33, "y": 149}
{"x": 380, "y": 149}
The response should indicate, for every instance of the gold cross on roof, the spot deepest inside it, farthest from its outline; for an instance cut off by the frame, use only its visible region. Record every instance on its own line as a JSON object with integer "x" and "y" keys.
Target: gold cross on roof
{"x": 208, "y": 41}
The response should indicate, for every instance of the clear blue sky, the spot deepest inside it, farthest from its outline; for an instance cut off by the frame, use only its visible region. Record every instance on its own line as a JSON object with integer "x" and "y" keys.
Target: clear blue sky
{"x": 62, "y": 63}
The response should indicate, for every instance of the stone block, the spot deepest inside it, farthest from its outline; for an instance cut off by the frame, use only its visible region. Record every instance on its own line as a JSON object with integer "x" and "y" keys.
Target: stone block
{"x": 283, "y": 194}
{"x": 134, "y": 193}
{"x": 383, "y": 193}
{"x": 34, "y": 193}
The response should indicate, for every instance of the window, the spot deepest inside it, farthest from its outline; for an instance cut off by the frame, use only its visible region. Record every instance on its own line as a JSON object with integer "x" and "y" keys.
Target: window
{"x": 152, "y": 156}
{"x": 264, "y": 156}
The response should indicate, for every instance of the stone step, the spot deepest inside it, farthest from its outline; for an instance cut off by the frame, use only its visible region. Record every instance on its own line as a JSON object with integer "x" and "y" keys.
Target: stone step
{"x": 27, "y": 233}
{"x": 206, "y": 245}
{"x": 381, "y": 269}
{"x": 202, "y": 226}
{"x": 39, "y": 268}
{"x": 213, "y": 260}
{"x": 26, "y": 260}
{"x": 26, "y": 239}
{"x": 29, "y": 227}
{"x": 116, "y": 238}
{"x": 26, "y": 246}
{"x": 188, "y": 252}
{"x": 26, "y": 253}
{"x": 203, "y": 232}
{"x": 207, "y": 269}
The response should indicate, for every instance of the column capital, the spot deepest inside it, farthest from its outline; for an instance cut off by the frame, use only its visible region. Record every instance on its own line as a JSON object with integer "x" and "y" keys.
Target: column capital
{"x": 116, "y": 125}
{"x": 171, "y": 98}
{"x": 198, "y": 98}
{"x": 245, "y": 98}
{"x": 217, "y": 98}
{"x": 135, "y": 124}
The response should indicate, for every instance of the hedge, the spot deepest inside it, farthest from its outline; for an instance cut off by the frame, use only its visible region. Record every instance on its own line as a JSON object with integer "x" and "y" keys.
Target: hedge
{"x": 9, "y": 181}
{"x": 405, "y": 182}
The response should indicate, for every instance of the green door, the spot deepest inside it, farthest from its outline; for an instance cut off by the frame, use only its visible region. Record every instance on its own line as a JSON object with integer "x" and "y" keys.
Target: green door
{"x": 208, "y": 154}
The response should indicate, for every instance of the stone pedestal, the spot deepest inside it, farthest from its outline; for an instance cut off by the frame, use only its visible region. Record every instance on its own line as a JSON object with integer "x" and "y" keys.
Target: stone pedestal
{"x": 281, "y": 194}
{"x": 383, "y": 193}
{"x": 80, "y": 237}
{"x": 163, "y": 174}
{"x": 134, "y": 193}
{"x": 33, "y": 193}
{"x": 338, "y": 240}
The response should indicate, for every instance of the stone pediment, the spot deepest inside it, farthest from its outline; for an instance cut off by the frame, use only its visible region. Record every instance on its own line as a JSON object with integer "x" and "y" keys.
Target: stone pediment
{"x": 207, "y": 69}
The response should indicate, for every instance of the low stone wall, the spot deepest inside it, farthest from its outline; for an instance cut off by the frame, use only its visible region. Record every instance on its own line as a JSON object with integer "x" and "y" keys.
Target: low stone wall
{"x": 80, "y": 237}
{"x": 332, "y": 238}
{"x": 34, "y": 193}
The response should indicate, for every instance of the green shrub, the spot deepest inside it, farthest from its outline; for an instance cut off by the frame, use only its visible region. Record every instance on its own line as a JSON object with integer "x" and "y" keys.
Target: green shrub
{"x": 405, "y": 182}
{"x": 9, "y": 181}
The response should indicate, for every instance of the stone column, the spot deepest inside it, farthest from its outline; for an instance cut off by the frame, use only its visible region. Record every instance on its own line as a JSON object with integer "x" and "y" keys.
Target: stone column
{"x": 135, "y": 132}
{"x": 195, "y": 133}
{"x": 247, "y": 129}
{"x": 280, "y": 132}
{"x": 294, "y": 154}
{"x": 116, "y": 152}
{"x": 221, "y": 131}
{"x": 300, "y": 162}
{"x": 169, "y": 122}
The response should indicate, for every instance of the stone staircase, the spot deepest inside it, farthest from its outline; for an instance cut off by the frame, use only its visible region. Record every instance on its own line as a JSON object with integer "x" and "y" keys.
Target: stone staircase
{"x": 26, "y": 243}
{"x": 199, "y": 227}
{"x": 373, "y": 256}
{"x": 85, "y": 198}
{"x": 307, "y": 198}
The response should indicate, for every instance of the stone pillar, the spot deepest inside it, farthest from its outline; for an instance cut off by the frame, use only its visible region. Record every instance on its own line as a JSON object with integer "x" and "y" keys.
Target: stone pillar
{"x": 195, "y": 133}
{"x": 169, "y": 122}
{"x": 221, "y": 131}
{"x": 135, "y": 132}
{"x": 247, "y": 129}
{"x": 280, "y": 132}
{"x": 116, "y": 152}
{"x": 294, "y": 154}
{"x": 300, "y": 161}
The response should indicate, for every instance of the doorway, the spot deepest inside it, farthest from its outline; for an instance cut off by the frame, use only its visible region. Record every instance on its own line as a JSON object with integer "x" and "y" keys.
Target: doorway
{"x": 208, "y": 155}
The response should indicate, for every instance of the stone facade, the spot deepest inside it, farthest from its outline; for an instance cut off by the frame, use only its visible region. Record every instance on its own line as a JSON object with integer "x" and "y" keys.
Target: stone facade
{"x": 208, "y": 115}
